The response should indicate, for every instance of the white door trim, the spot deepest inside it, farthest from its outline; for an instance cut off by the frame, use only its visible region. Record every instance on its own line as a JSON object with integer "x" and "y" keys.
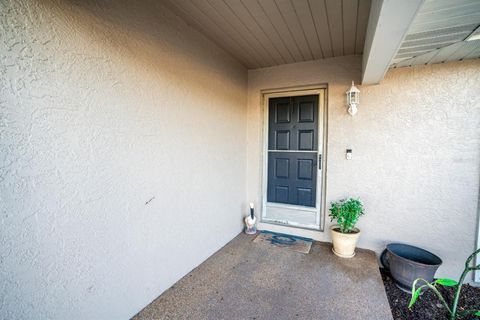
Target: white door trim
{"x": 319, "y": 90}
{"x": 476, "y": 276}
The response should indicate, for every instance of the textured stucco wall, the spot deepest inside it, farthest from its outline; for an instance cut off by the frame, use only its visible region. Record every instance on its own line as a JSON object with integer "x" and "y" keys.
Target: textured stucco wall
{"x": 416, "y": 154}
{"x": 105, "y": 105}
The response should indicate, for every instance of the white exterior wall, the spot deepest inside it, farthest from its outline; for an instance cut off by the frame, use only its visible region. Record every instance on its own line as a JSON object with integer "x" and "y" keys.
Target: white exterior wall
{"x": 104, "y": 106}
{"x": 416, "y": 154}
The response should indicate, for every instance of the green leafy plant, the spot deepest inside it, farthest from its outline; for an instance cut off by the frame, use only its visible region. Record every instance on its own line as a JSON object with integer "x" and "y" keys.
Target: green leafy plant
{"x": 453, "y": 309}
{"x": 346, "y": 212}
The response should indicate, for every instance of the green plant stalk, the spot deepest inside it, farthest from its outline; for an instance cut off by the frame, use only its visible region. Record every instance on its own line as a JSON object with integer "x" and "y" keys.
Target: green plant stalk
{"x": 416, "y": 293}
{"x": 460, "y": 282}
{"x": 441, "y": 298}
{"x": 453, "y": 314}
{"x": 449, "y": 283}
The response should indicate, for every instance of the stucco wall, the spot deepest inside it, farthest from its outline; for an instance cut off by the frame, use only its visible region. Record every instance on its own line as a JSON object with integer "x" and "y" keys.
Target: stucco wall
{"x": 416, "y": 154}
{"x": 122, "y": 167}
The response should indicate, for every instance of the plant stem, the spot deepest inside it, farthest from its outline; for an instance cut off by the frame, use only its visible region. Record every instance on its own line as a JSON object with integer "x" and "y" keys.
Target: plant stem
{"x": 439, "y": 295}
{"x": 453, "y": 315}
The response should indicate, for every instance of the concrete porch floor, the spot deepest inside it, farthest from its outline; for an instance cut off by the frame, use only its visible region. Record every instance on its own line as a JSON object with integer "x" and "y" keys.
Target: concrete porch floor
{"x": 246, "y": 280}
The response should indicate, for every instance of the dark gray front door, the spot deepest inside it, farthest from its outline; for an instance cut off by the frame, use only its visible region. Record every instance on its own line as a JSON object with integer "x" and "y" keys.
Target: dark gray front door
{"x": 293, "y": 150}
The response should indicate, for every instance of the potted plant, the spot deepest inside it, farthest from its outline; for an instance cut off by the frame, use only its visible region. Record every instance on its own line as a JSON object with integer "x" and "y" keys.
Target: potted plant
{"x": 344, "y": 234}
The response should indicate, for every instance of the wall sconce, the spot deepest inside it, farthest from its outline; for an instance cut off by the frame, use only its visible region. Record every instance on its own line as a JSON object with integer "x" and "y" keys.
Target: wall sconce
{"x": 353, "y": 99}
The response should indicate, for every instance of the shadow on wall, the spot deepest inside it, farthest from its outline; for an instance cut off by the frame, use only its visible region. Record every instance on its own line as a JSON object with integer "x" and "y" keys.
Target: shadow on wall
{"x": 151, "y": 35}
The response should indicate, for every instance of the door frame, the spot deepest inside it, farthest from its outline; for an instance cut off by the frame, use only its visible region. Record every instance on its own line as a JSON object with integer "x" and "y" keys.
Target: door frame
{"x": 321, "y": 91}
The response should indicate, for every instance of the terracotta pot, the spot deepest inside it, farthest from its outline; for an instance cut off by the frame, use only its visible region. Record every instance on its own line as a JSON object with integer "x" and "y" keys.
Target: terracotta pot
{"x": 344, "y": 243}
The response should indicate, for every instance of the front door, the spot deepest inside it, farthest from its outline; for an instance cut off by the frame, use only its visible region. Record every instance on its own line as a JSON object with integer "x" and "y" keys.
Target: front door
{"x": 293, "y": 161}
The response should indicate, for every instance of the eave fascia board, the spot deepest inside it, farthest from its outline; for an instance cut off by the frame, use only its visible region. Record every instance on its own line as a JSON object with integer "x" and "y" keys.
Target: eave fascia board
{"x": 388, "y": 24}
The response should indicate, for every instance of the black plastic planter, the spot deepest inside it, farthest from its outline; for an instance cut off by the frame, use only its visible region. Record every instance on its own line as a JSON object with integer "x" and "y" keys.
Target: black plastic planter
{"x": 407, "y": 263}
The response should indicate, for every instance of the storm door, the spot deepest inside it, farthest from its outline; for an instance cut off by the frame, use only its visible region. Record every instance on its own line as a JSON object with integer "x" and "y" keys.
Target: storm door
{"x": 293, "y": 161}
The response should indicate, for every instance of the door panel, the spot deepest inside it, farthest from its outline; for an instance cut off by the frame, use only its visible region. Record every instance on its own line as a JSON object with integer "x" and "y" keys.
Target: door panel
{"x": 292, "y": 178}
{"x": 306, "y": 140}
{"x": 282, "y": 140}
{"x": 293, "y": 150}
{"x": 293, "y": 123}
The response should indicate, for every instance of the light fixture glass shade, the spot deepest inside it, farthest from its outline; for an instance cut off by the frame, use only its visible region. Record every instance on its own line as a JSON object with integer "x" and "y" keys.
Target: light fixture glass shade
{"x": 352, "y": 110}
{"x": 353, "y": 99}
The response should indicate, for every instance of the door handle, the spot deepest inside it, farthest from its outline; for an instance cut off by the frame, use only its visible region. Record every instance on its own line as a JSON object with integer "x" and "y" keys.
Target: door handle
{"x": 319, "y": 161}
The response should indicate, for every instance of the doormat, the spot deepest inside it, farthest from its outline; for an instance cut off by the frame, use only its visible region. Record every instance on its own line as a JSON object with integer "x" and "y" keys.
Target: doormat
{"x": 287, "y": 241}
